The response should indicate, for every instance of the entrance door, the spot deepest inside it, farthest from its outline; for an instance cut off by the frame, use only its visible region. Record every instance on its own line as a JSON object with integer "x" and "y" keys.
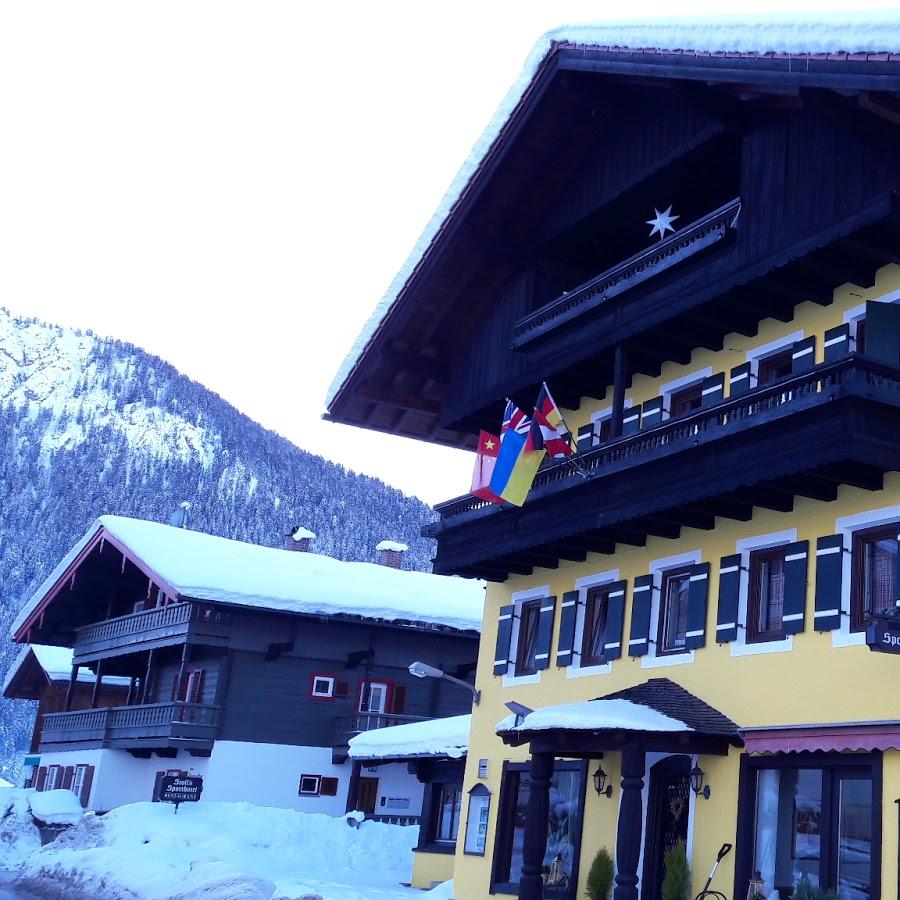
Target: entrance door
{"x": 668, "y": 807}
{"x": 367, "y": 795}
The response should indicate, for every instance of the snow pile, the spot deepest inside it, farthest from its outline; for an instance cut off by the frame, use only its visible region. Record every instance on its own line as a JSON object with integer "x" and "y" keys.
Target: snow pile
{"x": 302, "y": 533}
{"x": 60, "y": 807}
{"x": 396, "y": 546}
{"x": 226, "y": 851}
{"x": 19, "y": 835}
{"x": 190, "y": 564}
{"x": 594, "y": 715}
{"x": 435, "y": 737}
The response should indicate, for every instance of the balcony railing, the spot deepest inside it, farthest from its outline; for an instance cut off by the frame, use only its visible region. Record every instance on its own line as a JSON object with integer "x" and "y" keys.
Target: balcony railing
{"x": 780, "y": 399}
{"x": 131, "y": 725}
{"x": 168, "y": 616}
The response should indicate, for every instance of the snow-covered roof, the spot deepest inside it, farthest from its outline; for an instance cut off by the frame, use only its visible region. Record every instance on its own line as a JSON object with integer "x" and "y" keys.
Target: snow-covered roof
{"x": 205, "y": 567}
{"x": 57, "y": 665}
{"x": 842, "y": 33}
{"x": 302, "y": 533}
{"x": 391, "y": 545}
{"x": 432, "y": 738}
{"x": 594, "y": 715}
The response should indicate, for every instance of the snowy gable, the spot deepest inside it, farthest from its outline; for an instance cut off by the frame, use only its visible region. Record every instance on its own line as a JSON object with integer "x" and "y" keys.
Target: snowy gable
{"x": 447, "y": 737}
{"x": 204, "y": 567}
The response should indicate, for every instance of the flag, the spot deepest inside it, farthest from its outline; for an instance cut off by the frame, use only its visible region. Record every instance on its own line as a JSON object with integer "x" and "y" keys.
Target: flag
{"x": 485, "y": 460}
{"x": 515, "y": 468}
{"x": 545, "y": 432}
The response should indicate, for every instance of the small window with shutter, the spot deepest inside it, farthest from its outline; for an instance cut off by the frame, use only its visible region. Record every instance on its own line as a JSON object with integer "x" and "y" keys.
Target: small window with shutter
{"x": 673, "y": 611}
{"x": 765, "y": 602}
{"x": 527, "y": 644}
{"x": 594, "y": 630}
{"x": 874, "y": 575}
{"x": 686, "y": 401}
{"x": 774, "y": 367}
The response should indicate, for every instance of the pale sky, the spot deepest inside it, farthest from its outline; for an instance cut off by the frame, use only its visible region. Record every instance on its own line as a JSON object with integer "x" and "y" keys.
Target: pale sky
{"x": 232, "y": 186}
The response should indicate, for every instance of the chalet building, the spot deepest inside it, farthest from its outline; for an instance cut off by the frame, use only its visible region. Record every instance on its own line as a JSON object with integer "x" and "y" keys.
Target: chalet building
{"x": 679, "y": 630}
{"x": 247, "y": 666}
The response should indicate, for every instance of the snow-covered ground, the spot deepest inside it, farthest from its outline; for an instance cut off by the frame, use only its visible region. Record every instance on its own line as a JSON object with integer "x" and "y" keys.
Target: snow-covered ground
{"x": 222, "y": 851}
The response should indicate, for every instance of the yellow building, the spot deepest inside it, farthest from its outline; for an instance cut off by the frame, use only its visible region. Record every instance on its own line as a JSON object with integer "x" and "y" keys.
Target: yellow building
{"x": 688, "y": 635}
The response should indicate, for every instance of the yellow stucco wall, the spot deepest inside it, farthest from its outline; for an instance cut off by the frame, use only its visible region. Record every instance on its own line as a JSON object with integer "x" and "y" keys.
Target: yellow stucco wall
{"x": 431, "y": 868}
{"x": 815, "y": 682}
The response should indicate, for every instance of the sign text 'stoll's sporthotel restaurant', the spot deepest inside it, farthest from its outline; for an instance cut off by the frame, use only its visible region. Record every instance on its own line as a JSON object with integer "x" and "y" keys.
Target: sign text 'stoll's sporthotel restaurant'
{"x": 698, "y": 250}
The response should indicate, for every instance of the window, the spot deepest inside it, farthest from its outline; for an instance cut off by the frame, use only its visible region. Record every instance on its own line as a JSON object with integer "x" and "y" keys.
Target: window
{"x": 322, "y": 686}
{"x": 778, "y": 365}
{"x": 78, "y": 783}
{"x": 449, "y": 804}
{"x": 594, "y": 632}
{"x": 564, "y": 829}
{"x": 685, "y": 401}
{"x": 874, "y": 567}
{"x": 54, "y": 775}
{"x": 673, "y": 611}
{"x": 190, "y": 687}
{"x": 526, "y": 648}
{"x": 603, "y": 429}
{"x": 309, "y": 785}
{"x": 375, "y": 700}
{"x": 765, "y": 604}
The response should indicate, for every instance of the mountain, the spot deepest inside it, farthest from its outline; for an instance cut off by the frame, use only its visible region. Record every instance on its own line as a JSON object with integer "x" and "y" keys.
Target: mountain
{"x": 91, "y": 426}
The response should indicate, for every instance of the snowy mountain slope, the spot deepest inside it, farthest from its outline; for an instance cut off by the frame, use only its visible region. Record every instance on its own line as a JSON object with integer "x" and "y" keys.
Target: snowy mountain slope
{"x": 90, "y": 426}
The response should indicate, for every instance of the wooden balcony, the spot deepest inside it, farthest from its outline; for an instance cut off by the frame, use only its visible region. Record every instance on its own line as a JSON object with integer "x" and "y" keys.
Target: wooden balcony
{"x": 156, "y": 725}
{"x": 158, "y": 627}
{"x": 803, "y": 435}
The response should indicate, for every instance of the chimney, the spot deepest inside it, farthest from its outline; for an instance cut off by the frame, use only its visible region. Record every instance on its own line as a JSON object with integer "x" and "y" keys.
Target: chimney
{"x": 300, "y": 538}
{"x": 390, "y": 553}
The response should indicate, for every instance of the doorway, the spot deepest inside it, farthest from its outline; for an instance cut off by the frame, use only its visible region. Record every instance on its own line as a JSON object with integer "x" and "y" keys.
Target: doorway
{"x": 668, "y": 810}
{"x": 367, "y": 795}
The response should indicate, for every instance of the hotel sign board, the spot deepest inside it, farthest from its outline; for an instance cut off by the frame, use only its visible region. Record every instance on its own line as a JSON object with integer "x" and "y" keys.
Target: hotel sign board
{"x": 883, "y": 635}
{"x": 177, "y": 789}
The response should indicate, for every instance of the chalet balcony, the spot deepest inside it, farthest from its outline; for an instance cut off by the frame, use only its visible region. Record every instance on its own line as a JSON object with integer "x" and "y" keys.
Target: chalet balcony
{"x": 804, "y": 435}
{"x": 174, "y": 623}
{"x": 153, "y": 725}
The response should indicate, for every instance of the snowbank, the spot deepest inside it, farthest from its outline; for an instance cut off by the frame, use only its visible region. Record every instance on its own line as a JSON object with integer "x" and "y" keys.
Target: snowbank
{"x": 19, "y": 808}
{"x": 226, "y": 851}
{"x": 60, "y": 807}
{"x": 435, "y": 737}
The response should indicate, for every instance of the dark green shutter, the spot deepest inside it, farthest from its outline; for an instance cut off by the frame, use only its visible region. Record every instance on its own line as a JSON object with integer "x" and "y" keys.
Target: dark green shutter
{"x": 803, "y": 355}
{"x": 729, "y": 597}
{"x": 712, "y": 390}
{"x": 698, "y": 600}
{"x": 837, "y": 342}
{"x": 615, "y": 620}
{"x": 740, "y": 380}
{"x": 796, "y": 563}
{"x": 504, "y": 636}
{"x": 641, "y": 596}
{"x": 585, "y": 438}
{"x": 829, "y": 575}
{"x": 883, "y": 331}
{"x": 632, "y": 420}
{"x": 566, "y": 640}
{"x": 545, "y": 633}
{"x": 651, "y": 412}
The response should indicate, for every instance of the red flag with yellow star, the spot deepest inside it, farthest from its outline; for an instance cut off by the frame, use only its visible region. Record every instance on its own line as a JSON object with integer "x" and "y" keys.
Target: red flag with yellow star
{"x": 485, "y": 460}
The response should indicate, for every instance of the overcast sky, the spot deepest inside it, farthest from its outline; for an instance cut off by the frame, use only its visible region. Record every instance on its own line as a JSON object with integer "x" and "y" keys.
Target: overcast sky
{"x": 232, "y": 186}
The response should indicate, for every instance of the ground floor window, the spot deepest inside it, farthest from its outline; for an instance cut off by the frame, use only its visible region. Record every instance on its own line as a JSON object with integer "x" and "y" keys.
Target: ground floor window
{"x": 564, "y": 832}
{"x": 448, "y": 808}
{"x": 816, "y": 820}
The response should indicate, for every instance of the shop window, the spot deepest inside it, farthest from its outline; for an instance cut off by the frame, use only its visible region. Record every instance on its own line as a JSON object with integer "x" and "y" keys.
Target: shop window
{"x": 594, "y": 631}
{"x": 765, "y": 602}
{"x": 778, "y": 365}
{"x": 564, "y": 830}
{"x": 873, "y": 579}
{"x": 309, "y": 785}
{"x": 686, "y": 401}
{"x": 526, "y": 646}
{"x": 447, "y": 811}
{"x": 815, "y": 825}
{"x": 673, "y": 611}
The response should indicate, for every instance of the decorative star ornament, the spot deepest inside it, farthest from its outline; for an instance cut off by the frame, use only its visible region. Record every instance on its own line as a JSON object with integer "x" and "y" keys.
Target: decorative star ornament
{"x": 663, "y": 222}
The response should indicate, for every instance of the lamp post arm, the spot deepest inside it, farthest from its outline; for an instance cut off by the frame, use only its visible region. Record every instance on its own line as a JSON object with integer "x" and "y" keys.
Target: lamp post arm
{"x": 476, "y": 694}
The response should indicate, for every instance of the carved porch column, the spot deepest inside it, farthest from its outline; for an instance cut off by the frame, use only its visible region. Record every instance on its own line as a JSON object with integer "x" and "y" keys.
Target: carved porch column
{"x": 628, "y": 834}
{"x": 537, "y": 821}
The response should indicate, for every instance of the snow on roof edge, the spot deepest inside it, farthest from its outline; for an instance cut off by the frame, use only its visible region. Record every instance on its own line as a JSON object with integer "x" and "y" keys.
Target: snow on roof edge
{"x": 778, "y": 33}
{"x": 445, "y": 737}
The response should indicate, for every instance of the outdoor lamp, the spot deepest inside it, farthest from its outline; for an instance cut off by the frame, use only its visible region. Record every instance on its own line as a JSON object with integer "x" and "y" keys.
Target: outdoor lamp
{"x": 697, "y": 786}
{"x": 600, "y": 785}
{"x": 423, "y": 670}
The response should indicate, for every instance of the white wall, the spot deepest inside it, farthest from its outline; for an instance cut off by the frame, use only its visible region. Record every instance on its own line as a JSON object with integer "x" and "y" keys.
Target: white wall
{"x": 395, "y": 783}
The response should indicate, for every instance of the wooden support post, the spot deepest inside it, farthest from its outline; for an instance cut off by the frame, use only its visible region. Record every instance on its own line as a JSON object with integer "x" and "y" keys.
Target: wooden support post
{"x": 628, "y": 833}
{"x": 145, "y": 688}
{"x": 98, "y": 681}
{"x": 620, "y": 382}
{"x": 537, "y": 822}
{"x": 353, "y": 786}
{"x": 185, "y": 656}
{"x": 130, "y": 690}
{"x": 70, "y": 691}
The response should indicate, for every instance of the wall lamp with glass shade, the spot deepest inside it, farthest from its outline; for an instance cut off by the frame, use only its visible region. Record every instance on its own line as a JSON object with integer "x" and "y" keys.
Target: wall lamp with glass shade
{"x": 600, "y": 785}
{"x": 423, "y": 670}
{"x": 697, "y": 786}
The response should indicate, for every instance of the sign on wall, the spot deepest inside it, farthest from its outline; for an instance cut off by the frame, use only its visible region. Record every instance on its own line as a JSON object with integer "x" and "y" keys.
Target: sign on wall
{"x": 179, "y": 789}
{"x": 883, "y": 635}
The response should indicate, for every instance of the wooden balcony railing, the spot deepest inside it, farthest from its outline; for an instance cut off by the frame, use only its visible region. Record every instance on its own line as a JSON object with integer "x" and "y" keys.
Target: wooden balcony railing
{"x": 134, "y": 624}
{"x": 779, "y": 400}
{"x": 347, "y": 726}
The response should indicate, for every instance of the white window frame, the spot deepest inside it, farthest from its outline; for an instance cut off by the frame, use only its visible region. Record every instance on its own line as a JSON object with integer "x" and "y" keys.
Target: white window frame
{"x": 757, "y": 354}
{"x": 601, "y": 416}
{"x": 679, "y": 384}
{"x": 842, "y": 636}
{"x": 856, "y": 314}
{"x": 658, "y": 568}
{"x": 78, "y": 782}
{"x": 329, "y": 693}
{"x": 740, "y": 646}
{"x": 584, "y": 585}
{"x": 317, "y": 779}
{"x": 365, "y": 696}
{"x": 519, "y": 598}
{"x": 54, "y": 777}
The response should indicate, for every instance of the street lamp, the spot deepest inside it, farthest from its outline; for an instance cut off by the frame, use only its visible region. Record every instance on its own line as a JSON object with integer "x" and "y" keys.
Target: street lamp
{"x": 423, "y": 670}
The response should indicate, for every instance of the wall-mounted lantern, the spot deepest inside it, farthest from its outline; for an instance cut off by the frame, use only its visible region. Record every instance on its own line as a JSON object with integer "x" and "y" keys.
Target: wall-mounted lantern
{"x": 600, "y": 785}
{"x": 697, "y": 775}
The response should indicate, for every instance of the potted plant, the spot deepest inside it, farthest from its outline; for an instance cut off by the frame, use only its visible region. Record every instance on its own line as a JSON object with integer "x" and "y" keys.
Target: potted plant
{"x": 677, "y": 883}
{"x": 600, "y": 876}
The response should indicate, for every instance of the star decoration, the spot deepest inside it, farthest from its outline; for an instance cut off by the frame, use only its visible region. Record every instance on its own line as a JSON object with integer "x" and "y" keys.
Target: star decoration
{"x": 489, "y": 445}
{"x": 662, "y": 223}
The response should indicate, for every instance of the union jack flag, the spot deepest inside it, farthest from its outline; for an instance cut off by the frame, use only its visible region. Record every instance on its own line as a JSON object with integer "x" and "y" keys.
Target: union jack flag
{"x": 514, "y": 419}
